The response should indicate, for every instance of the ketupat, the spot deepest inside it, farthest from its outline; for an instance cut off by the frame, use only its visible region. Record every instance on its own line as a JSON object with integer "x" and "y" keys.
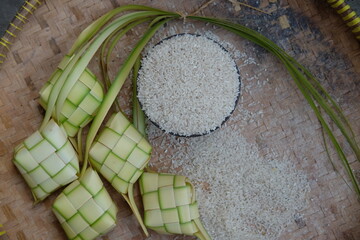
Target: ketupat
{"x": 85, "y": 209}
{"x": 81, "y": 103}
{"x": 47, "y": 160}
{"x": 131, "y": 132}
{"x": 109, "y": 100}
{"x": 37, "y": 157}
{"x": 170, "y": 205}
{"x": 120, "y": 153}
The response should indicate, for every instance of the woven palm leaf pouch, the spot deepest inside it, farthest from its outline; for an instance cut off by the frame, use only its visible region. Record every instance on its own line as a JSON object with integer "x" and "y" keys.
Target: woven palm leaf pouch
{"x": 85, "y": 209}
{"x": 47, "y": 160}
{"x": 170, "y": 205}
{"x": 82, "y": 101}
{"x": 120, "y": 153}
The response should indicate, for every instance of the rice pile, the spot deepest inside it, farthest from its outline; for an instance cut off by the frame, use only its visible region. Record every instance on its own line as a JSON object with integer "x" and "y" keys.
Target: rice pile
{"x": 188, "y": 85}
{"x": 241, "y": 195}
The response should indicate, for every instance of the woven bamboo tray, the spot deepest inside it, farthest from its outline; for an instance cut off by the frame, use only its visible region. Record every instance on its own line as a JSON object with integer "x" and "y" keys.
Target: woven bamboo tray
{"x": 307, "y": 29}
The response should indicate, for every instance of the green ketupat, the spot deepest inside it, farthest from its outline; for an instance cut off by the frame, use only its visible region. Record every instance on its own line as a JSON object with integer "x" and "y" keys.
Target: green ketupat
{"x": 81, "y": 103}
{"x": 47, "y": 160}
{"x": 132, "y": 168}
{"x": 85, "y": 209}
{"x": 120, "y": 153}
{"x": 170, "y": 205}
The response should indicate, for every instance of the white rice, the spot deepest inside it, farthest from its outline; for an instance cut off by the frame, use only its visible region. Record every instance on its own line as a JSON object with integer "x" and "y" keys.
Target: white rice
{"x": 188, "y": 85}
{"x": 241, "y": 195}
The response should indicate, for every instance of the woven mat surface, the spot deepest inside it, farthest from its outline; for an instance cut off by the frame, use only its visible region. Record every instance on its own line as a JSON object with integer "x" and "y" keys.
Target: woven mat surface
{"x": 7, "y": 11}
{"x": 307, "y": 29}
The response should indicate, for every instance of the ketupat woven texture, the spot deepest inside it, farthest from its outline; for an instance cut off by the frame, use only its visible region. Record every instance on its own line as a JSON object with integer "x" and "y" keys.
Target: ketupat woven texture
{"x": 80, "y": 105}
{"x": 315, "y": 35}
{"x": 169, "y": 203}
{"x": 47, "y": 160}
{"x": 120, "y": 153}
{"x": 85, "y": 209}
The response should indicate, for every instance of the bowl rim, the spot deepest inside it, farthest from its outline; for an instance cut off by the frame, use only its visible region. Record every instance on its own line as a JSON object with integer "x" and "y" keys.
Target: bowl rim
{"x": 226, "y": 118}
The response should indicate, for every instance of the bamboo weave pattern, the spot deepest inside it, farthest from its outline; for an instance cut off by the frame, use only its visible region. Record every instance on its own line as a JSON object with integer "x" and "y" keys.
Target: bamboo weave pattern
{"x": 16, "y": 25}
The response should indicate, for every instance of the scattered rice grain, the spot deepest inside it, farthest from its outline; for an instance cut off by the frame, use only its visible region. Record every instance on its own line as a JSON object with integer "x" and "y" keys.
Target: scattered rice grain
{"x": 241, "y": 194}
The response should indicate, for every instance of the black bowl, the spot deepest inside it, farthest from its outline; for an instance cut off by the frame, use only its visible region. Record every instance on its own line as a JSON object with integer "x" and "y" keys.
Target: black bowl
{"x": 226, "y": 118}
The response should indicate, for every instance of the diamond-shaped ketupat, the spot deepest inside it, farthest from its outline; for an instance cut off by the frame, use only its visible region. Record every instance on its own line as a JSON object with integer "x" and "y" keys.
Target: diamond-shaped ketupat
{"x": 85, "y": 209}
{"x": 47, "y": 160}
{"x": 81, "y": 103}
{"x": 170, "y": 205}
{"x": 120, "y": 153}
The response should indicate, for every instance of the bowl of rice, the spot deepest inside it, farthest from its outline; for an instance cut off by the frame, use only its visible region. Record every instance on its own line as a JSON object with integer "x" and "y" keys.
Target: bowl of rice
{"x": 188, "y": 85}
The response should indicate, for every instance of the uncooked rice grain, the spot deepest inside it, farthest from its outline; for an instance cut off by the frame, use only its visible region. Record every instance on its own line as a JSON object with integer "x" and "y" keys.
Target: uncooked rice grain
{"x": 188, "y": 85}
{"x": 241, "y": 194}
